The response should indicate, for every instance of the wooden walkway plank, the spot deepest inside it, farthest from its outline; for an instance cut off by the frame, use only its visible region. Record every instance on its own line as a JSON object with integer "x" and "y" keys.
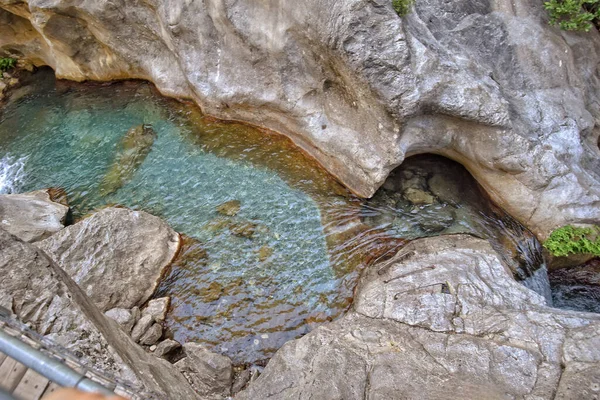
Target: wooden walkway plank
{"x": 31, "y": 387}
{"x": 52, "y": 387}
{"x": 11, "y": 373}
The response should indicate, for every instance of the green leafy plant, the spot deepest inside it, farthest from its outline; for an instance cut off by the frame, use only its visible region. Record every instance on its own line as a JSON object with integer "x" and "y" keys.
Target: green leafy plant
{"x": 402, "y": 7}
{"x": 7, "y": 63}
{"x": 571, "y": 240}
{"x": 574, "y": 15}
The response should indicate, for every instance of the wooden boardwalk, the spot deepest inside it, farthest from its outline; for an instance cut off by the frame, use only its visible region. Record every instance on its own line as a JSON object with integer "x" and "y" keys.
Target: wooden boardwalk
{"x": 23, "y": 383}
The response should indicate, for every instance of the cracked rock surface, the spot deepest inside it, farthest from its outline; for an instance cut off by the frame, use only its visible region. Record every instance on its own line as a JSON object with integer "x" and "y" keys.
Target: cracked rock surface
{"x": 487, "y": 83}
{"x": 443, "y": 319}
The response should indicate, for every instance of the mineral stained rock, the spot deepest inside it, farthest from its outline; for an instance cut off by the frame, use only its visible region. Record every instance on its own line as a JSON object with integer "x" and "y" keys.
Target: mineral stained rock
{"x": 489, "y": 83}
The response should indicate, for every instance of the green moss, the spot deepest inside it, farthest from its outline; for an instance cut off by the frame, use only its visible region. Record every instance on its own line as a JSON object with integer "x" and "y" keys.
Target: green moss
{"x": 574, "y": 15}
{"x": 7, "y": 63}
{"x": 402, "y": 7}
{"x": 571, "y": 240}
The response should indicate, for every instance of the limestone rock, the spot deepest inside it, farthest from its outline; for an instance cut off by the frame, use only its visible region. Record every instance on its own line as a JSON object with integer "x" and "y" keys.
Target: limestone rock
{"x": 489, "y": 84}
{"x": 123, "y": 317}
{"x": 31, "y": 216}
{"x": 158, "y": 308}
{"x": 164, "y": 348}
{"x": 209, "y": 373}
{"x": 40, "y": 294}
{"x": 152, "y": 335}
{"x": 418, "y": 197}
{"x": 443, "y": 319}
{"x": 117, "y": 255}
{"x": 142, "y": 326}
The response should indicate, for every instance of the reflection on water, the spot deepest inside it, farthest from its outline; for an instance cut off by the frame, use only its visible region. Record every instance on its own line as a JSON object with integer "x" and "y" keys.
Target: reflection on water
{"x": 273, "y": 244}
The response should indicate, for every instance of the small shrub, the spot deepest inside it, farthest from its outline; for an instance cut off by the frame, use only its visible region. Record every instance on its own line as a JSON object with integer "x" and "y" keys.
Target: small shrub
{"x": 402, "y": 7}
{"x": 571, "y": 240}
{"x": 574, "y": 15}
{"x": 7, "y": 63}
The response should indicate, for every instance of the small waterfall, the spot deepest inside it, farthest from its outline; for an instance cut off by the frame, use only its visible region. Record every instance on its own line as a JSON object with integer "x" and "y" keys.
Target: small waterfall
{"x": 12, "y": 174}
{"x": 539, "y": 283}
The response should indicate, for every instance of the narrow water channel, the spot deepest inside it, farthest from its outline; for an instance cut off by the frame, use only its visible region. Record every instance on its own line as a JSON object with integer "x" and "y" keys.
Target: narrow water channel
{"x": 273, "y": 244}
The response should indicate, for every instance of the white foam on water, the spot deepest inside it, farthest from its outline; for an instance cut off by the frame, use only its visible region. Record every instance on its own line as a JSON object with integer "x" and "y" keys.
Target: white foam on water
{"x": 12, "y": 174}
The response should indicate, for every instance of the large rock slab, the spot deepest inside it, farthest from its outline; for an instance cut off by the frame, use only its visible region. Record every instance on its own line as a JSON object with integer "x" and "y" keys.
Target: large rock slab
{"x": 443, "y": 319}
{"x": 42, "y": 295}
{"x": 116, "y": 256}
{"x": 487, "y": 83}
{"x": 31, "y": 216}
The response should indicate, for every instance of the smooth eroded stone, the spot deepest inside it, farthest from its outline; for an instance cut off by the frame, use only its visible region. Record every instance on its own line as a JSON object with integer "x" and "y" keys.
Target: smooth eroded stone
{"x": 31, "y": 216}
{"x": 165, "y": 347}
{"x": 158, "y": 308}
{"x": 123, "y": 317}
{"x": 152, "y": 335}
{"x": 142, "y": 327}
{"x": 116, "y": 255}
{"x": 209, "y": 373}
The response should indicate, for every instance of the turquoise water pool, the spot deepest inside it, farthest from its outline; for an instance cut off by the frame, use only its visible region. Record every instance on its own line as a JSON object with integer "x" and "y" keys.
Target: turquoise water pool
{"x": 287, "y": 256}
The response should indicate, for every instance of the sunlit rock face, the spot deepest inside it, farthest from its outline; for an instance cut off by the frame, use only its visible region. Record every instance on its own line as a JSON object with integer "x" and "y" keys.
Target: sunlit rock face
{"x": 486, "y": 83}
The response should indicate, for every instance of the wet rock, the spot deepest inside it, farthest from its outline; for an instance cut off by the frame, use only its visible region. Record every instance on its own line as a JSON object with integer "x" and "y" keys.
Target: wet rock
{"x": 264, "y": 253}
{"x": 443, "y": 318}
{"x": 134, "y": 148}
{"x": 123, "y": 317}
{"x": 152, "y": 335}
{"x": 244, "y": 229}
{"x": 209, "y": 373}
{"x": 158, "y": 308}
{"x": 446, "y": 190}
{"x": 211, "y": 293}
{"x": 116, "y": 255}
{"x": 164, "y": 348}
{"x": 230, "y": 208}
{"x": 31, "y": 216}
{"x": 418, "y": 197}
{"x": 435, "y": 221}
{"x": 141, "y": 327}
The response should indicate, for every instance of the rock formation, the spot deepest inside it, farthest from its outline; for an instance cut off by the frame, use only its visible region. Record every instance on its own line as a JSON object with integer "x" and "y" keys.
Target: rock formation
{"x": 31, "y": 216}
{"x": 39, "y": 293}
{"x": 443, "y": 319}
{"x": 116, "y": 255}
{"x": 489, "y": 83}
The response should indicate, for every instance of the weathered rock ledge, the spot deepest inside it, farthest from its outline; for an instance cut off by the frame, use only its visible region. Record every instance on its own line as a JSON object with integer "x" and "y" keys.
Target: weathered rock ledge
{"x": 486, "y": 83}
{"x": 444, "y": 319}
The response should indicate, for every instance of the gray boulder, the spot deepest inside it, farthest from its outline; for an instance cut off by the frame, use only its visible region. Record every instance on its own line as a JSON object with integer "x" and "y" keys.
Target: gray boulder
{"x": 142, "y": 326}
{"x": 152, "y": 335}
{"x": 158, "y": 308}
{"x": 116, "y": 255}
{"x": 31, "y": 216}
{"x": 42, "y": 295}
{"x": 166, "y": 347}
{"x": 123, "y": 317}
{"x": 209, "y": 373}
{"x": 443, "y": 319}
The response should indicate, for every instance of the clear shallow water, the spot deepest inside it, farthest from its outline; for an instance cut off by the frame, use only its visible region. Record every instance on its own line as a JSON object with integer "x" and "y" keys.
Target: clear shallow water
{"x": 283, "y": 263}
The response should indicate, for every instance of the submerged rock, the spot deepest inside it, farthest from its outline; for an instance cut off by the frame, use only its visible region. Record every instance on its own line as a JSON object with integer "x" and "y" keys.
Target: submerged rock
{"x": 230, "y": 208}
{"x": 116, "y": 255}
{"x": 32, "y": 216}
{"x": 133, "y": 150}
{"x": 442, "y": 319}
